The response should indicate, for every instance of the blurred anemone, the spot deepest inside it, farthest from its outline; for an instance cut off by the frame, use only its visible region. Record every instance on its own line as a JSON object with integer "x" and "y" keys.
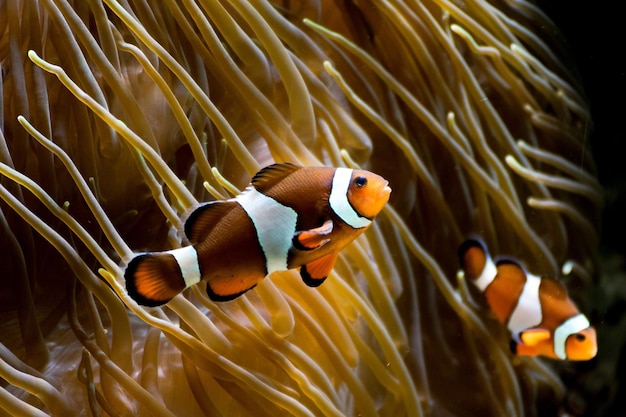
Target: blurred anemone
{"x": 116, "y": 117}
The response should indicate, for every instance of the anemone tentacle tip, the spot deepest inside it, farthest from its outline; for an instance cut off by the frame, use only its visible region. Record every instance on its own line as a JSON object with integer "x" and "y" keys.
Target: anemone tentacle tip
{"x": 166, "y": 106}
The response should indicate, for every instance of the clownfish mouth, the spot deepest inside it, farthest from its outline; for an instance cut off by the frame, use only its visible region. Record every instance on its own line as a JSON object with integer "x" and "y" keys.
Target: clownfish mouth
{"x": 385, "y": 191}
{"x": 383, "y": 194}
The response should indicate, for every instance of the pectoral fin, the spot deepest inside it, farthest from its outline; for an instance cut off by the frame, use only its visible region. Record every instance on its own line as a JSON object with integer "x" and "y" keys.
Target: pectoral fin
{"x": 313, "y": 238}
{"x": 314, "y": 273}
{"x": 528, "y": 342}
{"x": 534, "y": 337}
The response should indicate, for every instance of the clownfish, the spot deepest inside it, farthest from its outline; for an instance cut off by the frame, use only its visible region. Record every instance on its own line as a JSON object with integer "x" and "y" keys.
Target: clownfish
{"x": 288, "y": 217}
{"x": 541, "y": 317}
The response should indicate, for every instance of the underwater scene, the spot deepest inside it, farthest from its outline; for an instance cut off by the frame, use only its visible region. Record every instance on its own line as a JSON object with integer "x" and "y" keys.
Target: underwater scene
{"x": 307, "y": 208}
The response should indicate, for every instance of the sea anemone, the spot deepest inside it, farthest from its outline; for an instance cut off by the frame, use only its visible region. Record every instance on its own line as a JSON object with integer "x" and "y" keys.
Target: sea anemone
{"x": 118, "y": 116}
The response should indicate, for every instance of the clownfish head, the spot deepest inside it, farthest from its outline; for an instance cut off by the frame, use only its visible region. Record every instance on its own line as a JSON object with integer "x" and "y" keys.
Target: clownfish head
{"x": 368, "y": 193}
{"x": 575, "y": 339}
{"x": 582, "y": 345}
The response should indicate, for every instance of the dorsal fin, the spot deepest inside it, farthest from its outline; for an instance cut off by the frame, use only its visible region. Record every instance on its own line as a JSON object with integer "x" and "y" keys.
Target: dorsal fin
{"x": 511, "y": 268}
{"x": 204, "y": 218}
{"x": 554, "y": 288}
{"x": 270, "y": 175}
{"x": 509, "y": 260}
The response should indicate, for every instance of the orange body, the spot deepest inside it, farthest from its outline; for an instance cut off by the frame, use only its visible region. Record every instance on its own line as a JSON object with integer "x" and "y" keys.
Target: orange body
{"x": 289, "y": 217}
{"x": 542, "y": 318}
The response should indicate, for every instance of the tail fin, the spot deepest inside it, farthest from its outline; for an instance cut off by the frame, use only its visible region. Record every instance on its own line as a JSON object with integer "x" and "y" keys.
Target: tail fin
{"x": 473, "y": 256}
{"x": 153, "y": 279}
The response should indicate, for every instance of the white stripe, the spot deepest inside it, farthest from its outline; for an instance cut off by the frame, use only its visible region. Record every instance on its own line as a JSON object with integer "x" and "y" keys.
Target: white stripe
{"x": 339, "y": 203}
{"x": 187, "y": 259}
{"x": 275, "y": 226}
{"x": 527, "y": 313}
{"x": 487, "y": 276}
{"x": 569, "y": 327}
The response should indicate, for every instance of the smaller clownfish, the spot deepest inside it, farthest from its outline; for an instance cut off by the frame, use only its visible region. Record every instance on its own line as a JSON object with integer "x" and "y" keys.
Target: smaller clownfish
{"x": 542, "y": 318}
{"x": 289, "y": 217}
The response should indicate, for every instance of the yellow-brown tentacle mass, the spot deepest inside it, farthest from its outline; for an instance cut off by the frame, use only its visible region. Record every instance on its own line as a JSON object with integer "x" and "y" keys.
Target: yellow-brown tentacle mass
{"x": 131, "y": 112}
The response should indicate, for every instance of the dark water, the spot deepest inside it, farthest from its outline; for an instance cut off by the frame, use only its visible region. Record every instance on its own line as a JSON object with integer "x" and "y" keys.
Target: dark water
{"x": 594, "y": 36}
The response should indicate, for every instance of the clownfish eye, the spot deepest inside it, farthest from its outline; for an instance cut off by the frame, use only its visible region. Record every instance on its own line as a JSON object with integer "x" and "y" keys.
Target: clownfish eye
{"x": 360, "y": 182}
{"x": 580, "y": 337}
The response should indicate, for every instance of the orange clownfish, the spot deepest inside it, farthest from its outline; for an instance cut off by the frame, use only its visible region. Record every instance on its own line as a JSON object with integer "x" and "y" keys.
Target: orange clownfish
{"x": 542, "y": 319}
{"x": 289, "y": 217}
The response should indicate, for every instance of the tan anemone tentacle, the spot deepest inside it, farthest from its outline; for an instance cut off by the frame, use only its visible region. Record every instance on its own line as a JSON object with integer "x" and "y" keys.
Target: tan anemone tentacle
{"x": 184, "y": 77}
{"x": 131, "y": 112}
{"x": 473, "y": 169}
{"x": 30, "y": 380}
{"x": 510, "y": 386}
{"x": 181, "y": 193}
{"x": 15, "y": 406}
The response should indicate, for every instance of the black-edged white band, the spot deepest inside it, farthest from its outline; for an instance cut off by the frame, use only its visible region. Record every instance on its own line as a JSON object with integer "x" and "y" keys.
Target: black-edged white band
{"x": 339, "y": 203}
{"x": 275, "y": 226}
{"x": 187, "y": 259}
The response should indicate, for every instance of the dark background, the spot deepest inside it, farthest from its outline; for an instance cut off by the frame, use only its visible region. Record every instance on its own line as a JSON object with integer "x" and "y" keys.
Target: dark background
{"x": 594, "y": 34}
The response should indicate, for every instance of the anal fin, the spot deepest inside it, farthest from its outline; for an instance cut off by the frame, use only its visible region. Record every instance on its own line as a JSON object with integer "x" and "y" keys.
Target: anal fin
{"x": 314, "y": 273}
{"x": 226, "y": 289}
